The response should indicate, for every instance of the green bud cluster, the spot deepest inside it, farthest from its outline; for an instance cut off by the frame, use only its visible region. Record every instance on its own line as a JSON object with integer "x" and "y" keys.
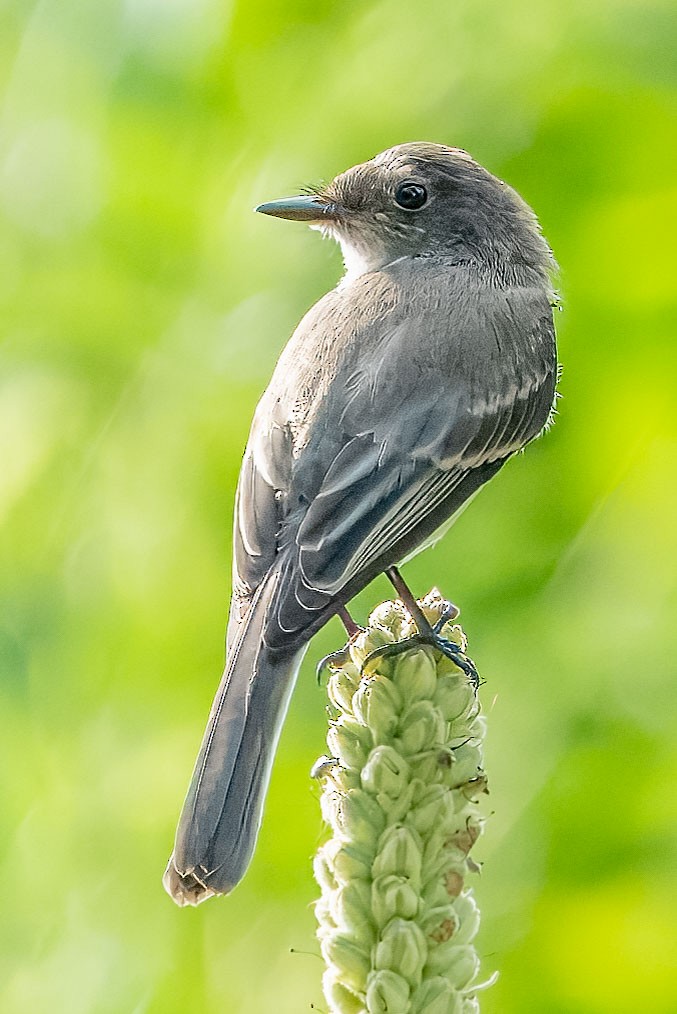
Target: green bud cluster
{"x": 399, "y": 792}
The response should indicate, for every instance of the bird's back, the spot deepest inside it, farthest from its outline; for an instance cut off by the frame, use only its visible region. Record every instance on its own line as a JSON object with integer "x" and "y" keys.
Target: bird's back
{"x": 421, "y": 372}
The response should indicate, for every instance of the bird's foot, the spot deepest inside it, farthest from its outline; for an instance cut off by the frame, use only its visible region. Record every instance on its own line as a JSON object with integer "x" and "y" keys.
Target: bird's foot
{"x": 430, "y": 616}
{"x": 448, "y": 612}
{"x": 431, "y": 637}
{"x": 334, "y": 660}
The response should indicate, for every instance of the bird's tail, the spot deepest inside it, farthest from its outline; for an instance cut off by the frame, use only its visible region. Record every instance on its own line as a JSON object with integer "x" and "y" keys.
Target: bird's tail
{"x": 222, "y": 812}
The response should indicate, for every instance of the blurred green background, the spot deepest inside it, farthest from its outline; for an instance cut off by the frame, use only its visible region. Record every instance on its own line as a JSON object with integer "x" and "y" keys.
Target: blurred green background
{"x": 143, "y": 308}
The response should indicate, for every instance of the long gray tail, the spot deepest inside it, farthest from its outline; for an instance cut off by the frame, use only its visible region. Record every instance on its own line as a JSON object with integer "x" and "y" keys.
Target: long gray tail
{"x": 222, "y": 812}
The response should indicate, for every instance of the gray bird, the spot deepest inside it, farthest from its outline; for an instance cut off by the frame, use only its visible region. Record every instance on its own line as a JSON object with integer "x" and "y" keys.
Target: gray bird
{"x": 401, "y": 392}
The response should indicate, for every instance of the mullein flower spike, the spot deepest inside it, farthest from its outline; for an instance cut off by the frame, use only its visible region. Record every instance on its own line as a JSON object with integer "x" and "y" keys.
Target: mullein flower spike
{"x": 396, "y": 923}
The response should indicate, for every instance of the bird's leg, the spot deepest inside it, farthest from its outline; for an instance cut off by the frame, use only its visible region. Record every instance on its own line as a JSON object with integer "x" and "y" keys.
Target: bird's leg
{"x": 348, "y": 622}
{"x": 409, "y": 601}
{"x": 340, "y": 656}
{"x": 427, "y": 633}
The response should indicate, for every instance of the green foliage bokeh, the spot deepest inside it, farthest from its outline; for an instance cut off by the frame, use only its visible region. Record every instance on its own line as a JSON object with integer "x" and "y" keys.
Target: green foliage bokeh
{"x": 143, "y": 307}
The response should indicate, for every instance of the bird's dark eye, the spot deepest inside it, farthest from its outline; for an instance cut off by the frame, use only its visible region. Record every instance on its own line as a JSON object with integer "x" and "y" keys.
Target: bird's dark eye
{"x": 411, "y": 195}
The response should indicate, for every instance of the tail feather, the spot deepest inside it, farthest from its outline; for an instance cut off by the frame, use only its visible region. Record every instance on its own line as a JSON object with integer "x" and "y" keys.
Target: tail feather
{"x": 222, "y": 812}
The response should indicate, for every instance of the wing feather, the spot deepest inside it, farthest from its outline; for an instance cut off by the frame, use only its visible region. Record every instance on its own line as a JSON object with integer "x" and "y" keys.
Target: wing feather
{"x": 355, "y": 450}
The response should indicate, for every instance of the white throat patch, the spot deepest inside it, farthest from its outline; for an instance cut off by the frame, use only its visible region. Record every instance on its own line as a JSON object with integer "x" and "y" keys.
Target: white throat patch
{"x": 357, "y": 260}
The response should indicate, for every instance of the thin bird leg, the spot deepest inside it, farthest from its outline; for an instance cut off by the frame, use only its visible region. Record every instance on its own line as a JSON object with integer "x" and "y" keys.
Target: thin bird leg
{"x": 427, "y": 634}
{"x": 348, "y": 622}
{"x": 339, "y": 657}
{"x": 408, "y": 599}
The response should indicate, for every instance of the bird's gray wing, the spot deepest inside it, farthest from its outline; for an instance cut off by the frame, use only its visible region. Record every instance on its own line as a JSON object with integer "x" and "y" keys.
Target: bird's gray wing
{"x": 264, "y": 476}
{"x": 445, "y": 394}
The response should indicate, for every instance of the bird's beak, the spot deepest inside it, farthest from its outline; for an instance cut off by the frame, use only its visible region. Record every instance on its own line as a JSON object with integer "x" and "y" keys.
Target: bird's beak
{"x": 312, "y": 210}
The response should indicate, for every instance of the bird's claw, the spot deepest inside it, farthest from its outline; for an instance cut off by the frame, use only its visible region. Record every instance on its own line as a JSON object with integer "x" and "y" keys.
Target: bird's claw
{"x": 449, "y": 612}
{"x": 435, "y": 640}
{"x": 334, "y": 658}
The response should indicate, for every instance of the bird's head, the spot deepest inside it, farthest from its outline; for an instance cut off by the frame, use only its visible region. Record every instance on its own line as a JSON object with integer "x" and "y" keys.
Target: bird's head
{"x": 422, "y": 200}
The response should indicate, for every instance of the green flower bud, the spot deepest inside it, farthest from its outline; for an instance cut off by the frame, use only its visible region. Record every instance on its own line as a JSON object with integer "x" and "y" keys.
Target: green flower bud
{"x": 466, "y": 766}
{"x": 458, "y": 962}
{"x": 478, "y": 729}
{"x": 464, "y": 967}
{"x": 350, "y": 907}
{"x": 329, "y": 769}
{"x": 456, "y": 813}
{"x": 359, "y": 818}
{"x": 342, "y": 685}
{"x": 350, "y": 741}
{"x": 387, "y": 993}
{"x": 391, "y": 896}
{"x": 415, "y": 675}
{"x": 469, "y": 918}
{"x": 397, "y": 809}
{"x": 377, "y": 704}
{"x": 393, "y": 619}
{"x": 455, "y": 697}
{"x": 340, "y": 950}
{"x": 454, "y": 632}
{"x": 349, "y": 860}
{"x": 345, "y": 779}
{"x": 385, "y": 773}
{"x": 434, "y": 605}
{"x": 341, "y": 999}
{"x": 432, "y": 889}
{"x": 429, "y": 809}
{"x": 439, "y": 855}
{"x": 420, "y": 727}
{"x": 402, "y": 946}
{"x": 399, "y": 852}
{"x": 434, "y": 996}
{"x": 366, "y": 642}
{"x": 425, "y": 767}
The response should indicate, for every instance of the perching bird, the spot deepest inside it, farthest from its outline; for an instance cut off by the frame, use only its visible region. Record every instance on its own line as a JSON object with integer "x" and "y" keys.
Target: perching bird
{"x": 401, "y": 392}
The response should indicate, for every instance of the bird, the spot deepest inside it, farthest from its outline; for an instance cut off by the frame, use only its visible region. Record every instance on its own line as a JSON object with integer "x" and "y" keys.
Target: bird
{"x": 401, "y": 392}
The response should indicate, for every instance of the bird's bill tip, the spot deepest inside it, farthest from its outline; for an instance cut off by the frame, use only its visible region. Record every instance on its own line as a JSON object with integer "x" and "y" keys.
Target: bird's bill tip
{"x": 298, "y": 209}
